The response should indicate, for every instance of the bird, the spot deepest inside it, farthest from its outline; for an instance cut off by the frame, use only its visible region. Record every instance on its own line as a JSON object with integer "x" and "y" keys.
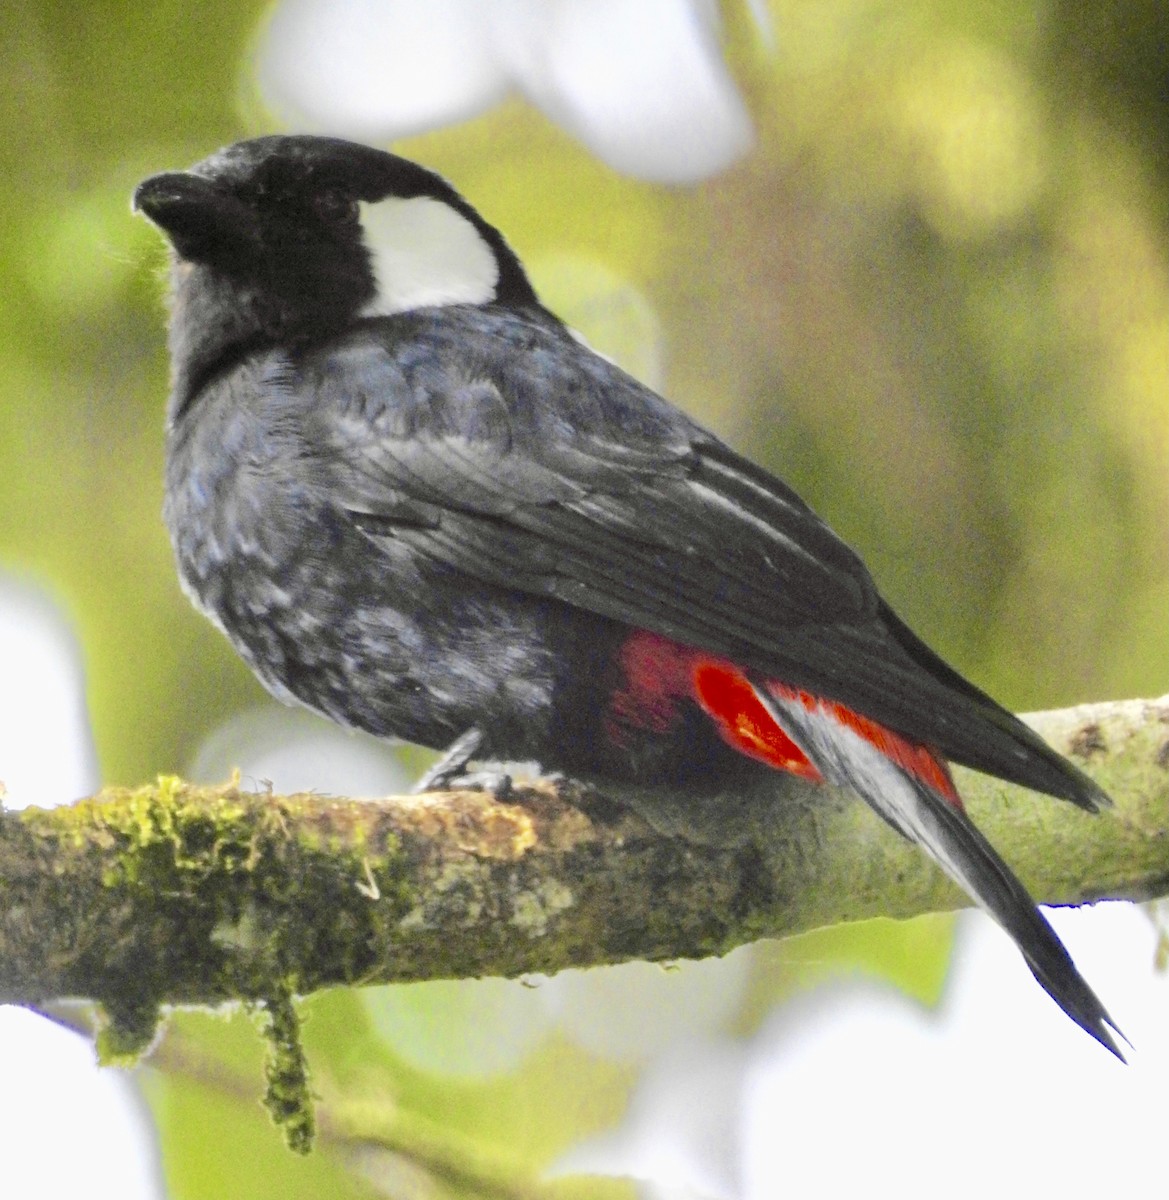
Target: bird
{"x": 419, "y": 504}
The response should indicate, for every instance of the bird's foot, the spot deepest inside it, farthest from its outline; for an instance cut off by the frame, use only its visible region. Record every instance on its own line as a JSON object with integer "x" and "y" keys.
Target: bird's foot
{"x": 497, "y": 783}
{"x": 450, "y": 774}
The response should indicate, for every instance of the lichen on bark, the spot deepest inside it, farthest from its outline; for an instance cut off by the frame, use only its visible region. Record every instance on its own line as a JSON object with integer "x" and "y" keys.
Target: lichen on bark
{"x": 174, "y": 894}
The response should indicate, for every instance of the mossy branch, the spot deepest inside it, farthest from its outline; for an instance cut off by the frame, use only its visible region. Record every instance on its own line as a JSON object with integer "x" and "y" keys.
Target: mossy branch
{"x": 192, "y": 895}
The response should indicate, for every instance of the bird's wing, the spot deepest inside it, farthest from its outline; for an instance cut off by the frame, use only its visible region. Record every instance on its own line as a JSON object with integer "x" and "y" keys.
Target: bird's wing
{"x": 511, "y": 453}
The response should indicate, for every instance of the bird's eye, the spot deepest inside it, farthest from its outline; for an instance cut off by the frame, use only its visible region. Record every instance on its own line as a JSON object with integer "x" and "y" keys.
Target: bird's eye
{"x": 335, "y": 206}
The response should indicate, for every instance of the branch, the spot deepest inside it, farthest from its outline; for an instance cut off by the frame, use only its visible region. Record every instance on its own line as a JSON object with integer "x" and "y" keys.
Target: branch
{"x": 177, "y": 894}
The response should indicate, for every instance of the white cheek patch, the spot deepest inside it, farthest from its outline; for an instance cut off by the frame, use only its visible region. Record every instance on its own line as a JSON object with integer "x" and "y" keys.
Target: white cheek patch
{"x": 425, "y": 253}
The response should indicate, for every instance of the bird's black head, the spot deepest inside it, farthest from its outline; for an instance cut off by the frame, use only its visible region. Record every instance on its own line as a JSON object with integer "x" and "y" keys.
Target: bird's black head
{"x": 291, "y": 239}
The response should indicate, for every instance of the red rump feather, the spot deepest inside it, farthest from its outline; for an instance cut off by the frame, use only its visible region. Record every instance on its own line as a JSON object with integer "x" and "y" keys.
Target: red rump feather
{"x": 743, "y": 720}
{"x": 660, "y": 672}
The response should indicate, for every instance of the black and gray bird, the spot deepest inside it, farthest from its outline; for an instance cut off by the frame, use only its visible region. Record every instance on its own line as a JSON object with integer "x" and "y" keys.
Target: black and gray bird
{"x": 416, "y": 503}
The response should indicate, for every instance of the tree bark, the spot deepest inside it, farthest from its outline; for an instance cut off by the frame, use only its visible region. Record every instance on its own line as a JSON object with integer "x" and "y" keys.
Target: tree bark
{"x": 180, "y": 894}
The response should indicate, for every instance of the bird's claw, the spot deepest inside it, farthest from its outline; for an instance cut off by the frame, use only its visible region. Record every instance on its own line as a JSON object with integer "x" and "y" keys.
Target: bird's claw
{"x": 450, "y": 774}
{"x": 497, "y": 783}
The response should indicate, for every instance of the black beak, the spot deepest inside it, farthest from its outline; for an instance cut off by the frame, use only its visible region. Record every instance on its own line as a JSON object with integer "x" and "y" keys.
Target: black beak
{"x": 202, "y": 221}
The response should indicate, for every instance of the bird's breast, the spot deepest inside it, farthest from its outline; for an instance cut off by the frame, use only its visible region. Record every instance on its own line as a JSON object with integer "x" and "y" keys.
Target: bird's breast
{"x": 374, "y": 635}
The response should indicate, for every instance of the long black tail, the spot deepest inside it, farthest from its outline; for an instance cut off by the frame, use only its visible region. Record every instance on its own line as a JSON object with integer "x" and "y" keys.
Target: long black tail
{"x": 847, "y": 759}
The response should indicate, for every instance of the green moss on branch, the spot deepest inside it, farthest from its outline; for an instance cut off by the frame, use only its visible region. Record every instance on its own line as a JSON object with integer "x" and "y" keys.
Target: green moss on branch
{"x": 176, "y": 894}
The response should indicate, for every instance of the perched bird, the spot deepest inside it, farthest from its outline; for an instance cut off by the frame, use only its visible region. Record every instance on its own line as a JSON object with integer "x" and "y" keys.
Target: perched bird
{"x": 415, "y": 502}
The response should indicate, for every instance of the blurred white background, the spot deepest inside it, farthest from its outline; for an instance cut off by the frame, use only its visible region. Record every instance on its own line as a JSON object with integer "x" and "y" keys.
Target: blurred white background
{"x": 995, "y": 1080}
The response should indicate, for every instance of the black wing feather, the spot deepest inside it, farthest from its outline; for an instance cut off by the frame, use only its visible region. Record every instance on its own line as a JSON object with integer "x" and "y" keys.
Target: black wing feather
{"x": 539, "y": 466}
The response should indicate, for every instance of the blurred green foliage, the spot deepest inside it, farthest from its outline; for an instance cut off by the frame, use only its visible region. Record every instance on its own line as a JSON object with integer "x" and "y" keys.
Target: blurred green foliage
{"x": 935, "y": 298}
